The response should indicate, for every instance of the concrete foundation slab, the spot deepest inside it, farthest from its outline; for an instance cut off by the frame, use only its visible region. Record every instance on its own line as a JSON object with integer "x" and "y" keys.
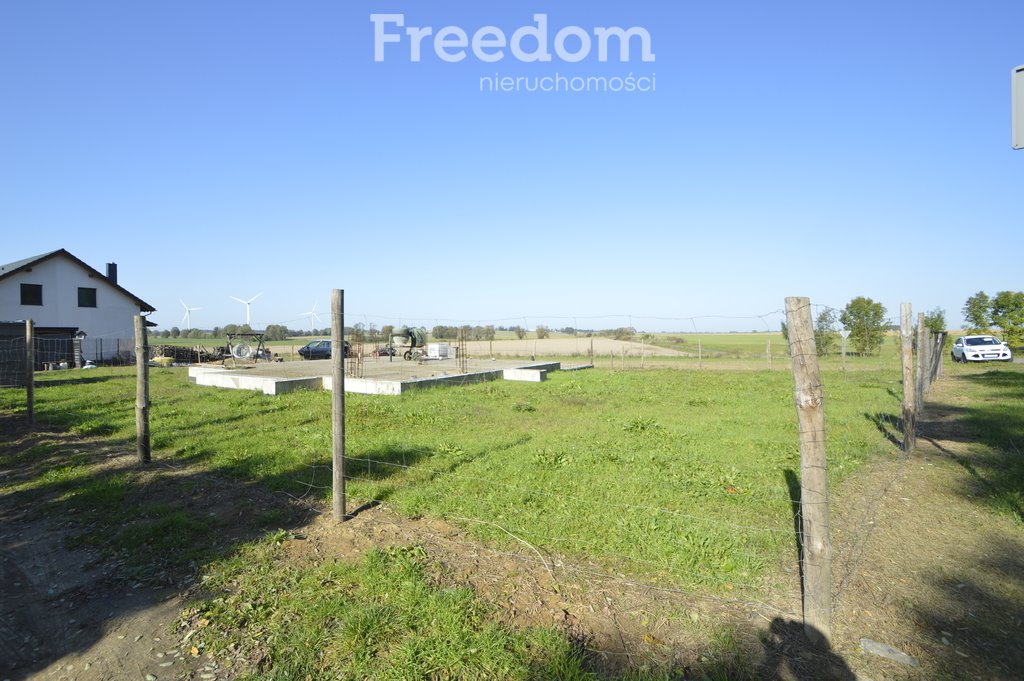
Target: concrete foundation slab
{"x": 268, "y": 385}
{"x": 379, "y": 378}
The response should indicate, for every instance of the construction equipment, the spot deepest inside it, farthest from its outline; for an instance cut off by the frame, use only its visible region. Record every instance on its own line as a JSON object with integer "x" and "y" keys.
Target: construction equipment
{"x": 410, "y": 338}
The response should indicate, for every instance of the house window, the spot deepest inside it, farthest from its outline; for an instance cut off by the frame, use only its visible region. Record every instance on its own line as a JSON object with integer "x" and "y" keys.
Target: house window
{"x": 86, "y": 297}
{"x": 31, "y": 294}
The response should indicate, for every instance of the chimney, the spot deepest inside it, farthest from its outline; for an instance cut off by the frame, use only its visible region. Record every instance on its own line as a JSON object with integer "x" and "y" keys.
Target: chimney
{"x": 112, "y": 272}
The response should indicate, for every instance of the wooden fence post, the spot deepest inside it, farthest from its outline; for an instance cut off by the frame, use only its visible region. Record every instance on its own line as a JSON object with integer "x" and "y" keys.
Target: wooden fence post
{"x": 814, "y": 512}
{"x": 338, "y": 403}
{"x": 141, "y": 390}
{"x": 920, "y": 365}
{"x": 30, "y": 370}
{"x": 938, "y": 350}
{"x": 909, "y": 397}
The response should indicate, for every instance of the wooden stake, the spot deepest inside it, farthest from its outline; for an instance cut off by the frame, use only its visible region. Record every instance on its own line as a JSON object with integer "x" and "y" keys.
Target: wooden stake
{"x": 907, "y": 359}
{"x": 30, "y": 370}
{"x": 338, "y": 403}
{"x": 141, "y": 390}
{"x": 919, "y": 366}
{"x": 814, "y": 512}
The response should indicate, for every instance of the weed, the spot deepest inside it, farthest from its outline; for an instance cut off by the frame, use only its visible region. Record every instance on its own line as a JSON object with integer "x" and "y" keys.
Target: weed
{"x": 641, "y": 425}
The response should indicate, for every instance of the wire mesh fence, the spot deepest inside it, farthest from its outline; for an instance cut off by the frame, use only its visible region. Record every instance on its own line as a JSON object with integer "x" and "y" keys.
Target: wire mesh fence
{"x": 666, "y": 515}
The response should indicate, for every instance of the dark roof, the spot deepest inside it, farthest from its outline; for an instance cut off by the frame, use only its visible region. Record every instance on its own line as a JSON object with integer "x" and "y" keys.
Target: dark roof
{"x": 20, "y": 265}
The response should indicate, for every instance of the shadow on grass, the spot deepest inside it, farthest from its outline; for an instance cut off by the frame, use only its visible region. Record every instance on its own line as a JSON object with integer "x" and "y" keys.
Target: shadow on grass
{"x": 989, "y": 426}
{"x": 44, "y": 383}
{"x": 970, "y": 618}
{"x": 90, "y": 535}
{"x": 889, "y": 425}
{"x": 790, "y": 655}
{"x": 795, "y": 496}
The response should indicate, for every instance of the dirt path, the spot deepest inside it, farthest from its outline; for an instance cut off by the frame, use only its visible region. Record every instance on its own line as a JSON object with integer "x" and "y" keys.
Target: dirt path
{"x": 940, "y": 577}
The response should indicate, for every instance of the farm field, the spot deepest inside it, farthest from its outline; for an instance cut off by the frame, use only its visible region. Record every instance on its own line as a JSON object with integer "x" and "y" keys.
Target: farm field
{"x": 674, "y": 350}
{"x": 680, "y": 480}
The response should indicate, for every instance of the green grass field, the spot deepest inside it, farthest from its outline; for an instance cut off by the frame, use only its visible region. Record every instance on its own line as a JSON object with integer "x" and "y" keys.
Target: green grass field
{"x": 677, "y": 478}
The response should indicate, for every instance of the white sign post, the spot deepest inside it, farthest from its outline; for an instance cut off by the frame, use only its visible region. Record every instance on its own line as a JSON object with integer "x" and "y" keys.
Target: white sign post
{"x": 1017, "y": 95}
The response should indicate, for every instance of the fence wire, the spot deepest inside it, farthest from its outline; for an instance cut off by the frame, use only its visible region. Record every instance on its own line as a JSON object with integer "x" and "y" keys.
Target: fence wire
{"x": 555, "y": 554}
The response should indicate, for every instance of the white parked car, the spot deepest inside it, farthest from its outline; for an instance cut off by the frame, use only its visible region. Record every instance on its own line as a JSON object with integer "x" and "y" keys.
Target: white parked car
{"x": 980, "y": 349}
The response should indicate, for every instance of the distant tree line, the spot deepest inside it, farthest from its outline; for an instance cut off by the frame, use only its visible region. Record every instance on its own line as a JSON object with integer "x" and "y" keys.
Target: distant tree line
{"x": 866, "y": 322}
{"x": 443, "y": 332}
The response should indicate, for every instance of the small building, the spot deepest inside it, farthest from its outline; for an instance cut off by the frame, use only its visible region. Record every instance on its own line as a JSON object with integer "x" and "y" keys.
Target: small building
{"x": 79, "y": 313}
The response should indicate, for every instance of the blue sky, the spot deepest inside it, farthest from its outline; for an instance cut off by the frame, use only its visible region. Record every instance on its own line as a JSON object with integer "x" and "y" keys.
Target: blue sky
{"x": 829, "y": 150}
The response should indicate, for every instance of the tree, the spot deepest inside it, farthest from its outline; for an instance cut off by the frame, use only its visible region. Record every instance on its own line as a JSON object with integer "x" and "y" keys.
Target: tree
{"x": 824, "y": 331}
{"x": 519, "y": 331}
{"x": 1008, "y": 314}
{"x": 977, "y": 311}
{"x": 935, "y": 320}
{"x": 387, "y": 331}
{"x": 865, "y": 320}
{"x": 442, "y": 331}
{"x": 489, "y": 332}
{"x": 542, "y": 331}
{"x": 175, "y": 332}
{"x": 275, "y": 332}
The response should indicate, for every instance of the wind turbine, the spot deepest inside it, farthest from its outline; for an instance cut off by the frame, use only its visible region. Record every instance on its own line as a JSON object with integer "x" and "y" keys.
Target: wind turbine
{"x": 247, "y": 304}
{"x": 312, "y": 315}
{"x": 187, "y": 319}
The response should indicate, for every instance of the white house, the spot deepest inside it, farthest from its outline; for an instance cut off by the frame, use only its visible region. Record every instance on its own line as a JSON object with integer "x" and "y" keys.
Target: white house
{"x": 67, "y": 298}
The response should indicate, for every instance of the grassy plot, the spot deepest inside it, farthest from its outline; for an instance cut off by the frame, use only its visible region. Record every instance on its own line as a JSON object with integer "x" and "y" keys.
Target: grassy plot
{"x": 381, "y": 618}
{"x": 663, "y": 476}
{"x": 678, "y": 477}
{"x": 990, "y": 408}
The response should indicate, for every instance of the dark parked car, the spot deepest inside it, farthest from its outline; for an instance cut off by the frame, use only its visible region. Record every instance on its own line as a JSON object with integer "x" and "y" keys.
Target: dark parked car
{"x": 321, "y": 349}
{"x": 385, "y": 351}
